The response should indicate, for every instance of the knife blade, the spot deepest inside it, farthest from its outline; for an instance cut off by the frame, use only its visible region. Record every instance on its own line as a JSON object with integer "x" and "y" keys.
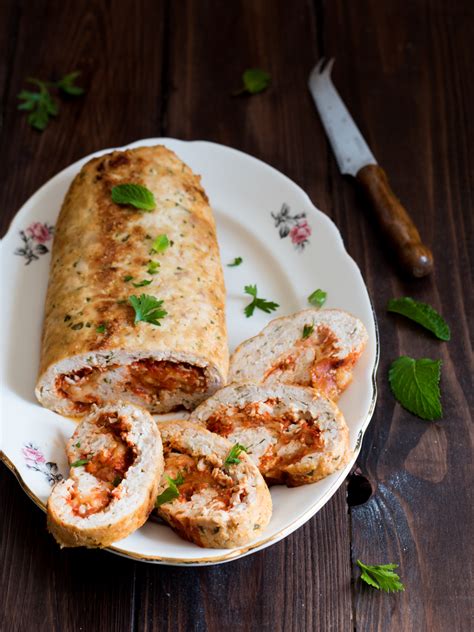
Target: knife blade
{"x": 355, "y": 158}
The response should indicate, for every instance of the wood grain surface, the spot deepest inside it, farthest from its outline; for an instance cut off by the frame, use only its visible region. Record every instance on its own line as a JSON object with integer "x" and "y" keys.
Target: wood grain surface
{"x": 168, "y": 68}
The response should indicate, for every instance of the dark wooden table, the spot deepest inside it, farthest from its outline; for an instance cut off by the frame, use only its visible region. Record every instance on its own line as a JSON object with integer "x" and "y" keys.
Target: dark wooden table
{"x": 167, "y": 68}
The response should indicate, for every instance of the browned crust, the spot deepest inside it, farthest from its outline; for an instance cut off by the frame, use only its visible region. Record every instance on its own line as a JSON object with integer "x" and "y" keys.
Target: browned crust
{"x": 98, "y": 242}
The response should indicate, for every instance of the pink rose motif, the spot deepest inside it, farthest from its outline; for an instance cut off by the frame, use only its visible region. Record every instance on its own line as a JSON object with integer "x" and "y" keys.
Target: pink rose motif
{"x": 299, "y": 234}
{"x": 31, "y": 453}
{"x": 39, "y": 232}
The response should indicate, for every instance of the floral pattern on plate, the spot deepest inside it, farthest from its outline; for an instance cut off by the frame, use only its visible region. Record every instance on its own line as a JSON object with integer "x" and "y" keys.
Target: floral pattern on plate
{"x": 294, "y": 226}
{"x": 35, "y": 460}
{"x": 34, "y": 238}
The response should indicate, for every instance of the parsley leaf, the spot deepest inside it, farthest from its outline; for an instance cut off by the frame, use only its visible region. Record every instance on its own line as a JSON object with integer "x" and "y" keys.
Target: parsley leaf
{"x": 260, "y": 303}
{"x": 135, "y": 195}
{"x": 160, "y": 244}
{"x": 307, "y": 331}
{"x": 77, "y": 445}
{"x": 233, "y": 456}
{"x": 40, "y": 105}
{"x": 255, "y": 80}
{"x": 381, "y": 576}
{"x": 236, "y": 262}
{"x": 421, "y": 313}
{"x": 317, "y": 298}
{"x": 153, "y": 267}
{"x": 147, "y": 309}
{"x": 80, "y": 462}
{"x": 415, "y": 384}
{"x": 127, "y": 278}
{"x": 100, "y": 329}
{"x": 142, "y": 283}
{"x": 171, "y": 492}
{"x": 66, "y": 84}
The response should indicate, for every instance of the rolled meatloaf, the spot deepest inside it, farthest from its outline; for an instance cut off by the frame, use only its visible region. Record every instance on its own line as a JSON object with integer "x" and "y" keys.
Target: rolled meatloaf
{"x": 116, "y": 459}
{"x": 135, "y": 307}
{"x": 292, "y": 433}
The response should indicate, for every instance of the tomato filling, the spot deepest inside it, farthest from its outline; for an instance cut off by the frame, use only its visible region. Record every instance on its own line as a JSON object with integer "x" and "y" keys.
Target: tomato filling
{"x": 287, "y": 436}
{"x": 108, "y": 465}
{"x": 198, "y": 475}
{"x": 314, "y": 362}
{"x": 143, "y": 378}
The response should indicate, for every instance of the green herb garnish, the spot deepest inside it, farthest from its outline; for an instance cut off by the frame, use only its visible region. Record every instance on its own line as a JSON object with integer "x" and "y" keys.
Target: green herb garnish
{"x": 153, "y": 267}
{"x": 41, "y": 105}
{"x": 171, "y": 492}
{"x": 142, "y": 283}
{"x": 100, "y": 329}
{"x": 80, "y": 462}
{"x": 127, "y": 278}
{"x": 415, "y": 384}
{"x": 317, "y": 298}
{"x": 233, "y": 456}
{"x": 421, "y": 313}
{"x": 77, "y": 445}
{"x": 260, "y": 303}
{"x": 254, "y": 81}
{"x": 236, "y": 262}
{"x": 381, "y": 576}
{"x": 307, "y": 331}
{"x": 160, "y": 244}
{"x": 135, "y": 195}
{"x": 117, "y": 480}
{"x": 147, "y": 309}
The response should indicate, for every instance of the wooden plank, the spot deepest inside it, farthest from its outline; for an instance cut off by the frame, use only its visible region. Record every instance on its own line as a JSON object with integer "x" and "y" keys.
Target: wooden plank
{"x": 302, "y": 583}
{"x": 403, "y": 70}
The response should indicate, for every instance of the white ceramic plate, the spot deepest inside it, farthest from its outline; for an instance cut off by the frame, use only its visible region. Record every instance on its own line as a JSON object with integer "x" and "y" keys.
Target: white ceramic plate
{"x": 289, "y": 248}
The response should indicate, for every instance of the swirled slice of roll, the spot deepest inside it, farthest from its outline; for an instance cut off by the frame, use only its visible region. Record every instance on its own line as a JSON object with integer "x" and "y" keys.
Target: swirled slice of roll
{"x": 293, "y": 434}
{"x": 135, "y": 308}
{"x": 116, "y": 460}
{"x": 211, "y": 493}
{"x": 316, "y": 348}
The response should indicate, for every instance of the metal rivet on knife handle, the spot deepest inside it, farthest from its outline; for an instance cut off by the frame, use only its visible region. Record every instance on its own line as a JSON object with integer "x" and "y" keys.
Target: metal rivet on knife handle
{"x": 415, "y": 257}
{"x": 354, "y": 157}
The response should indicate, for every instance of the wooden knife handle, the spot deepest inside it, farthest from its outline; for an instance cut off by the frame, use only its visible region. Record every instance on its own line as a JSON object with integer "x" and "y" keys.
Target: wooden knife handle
{"x": 415, "y": 257}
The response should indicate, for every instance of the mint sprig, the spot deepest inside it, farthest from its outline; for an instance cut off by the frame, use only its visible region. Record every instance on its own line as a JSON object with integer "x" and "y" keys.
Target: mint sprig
{"x": 134, "y": 195}
{"x": 421, "y": 313}
{"x": 415, "y": 384}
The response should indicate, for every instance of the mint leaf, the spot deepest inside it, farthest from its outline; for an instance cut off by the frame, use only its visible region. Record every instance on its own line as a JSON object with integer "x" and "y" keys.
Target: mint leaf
{"x": 307, "y": 331}
{"x": 233, "y": 456}
{"x": 135, "y": 195}
{"x": 147, "y": 309}
{"x": 160, "y": 244}
{"x": 317, "y": 298}
{"x": 381, "y": 576}
{"x": 259, "y": 303}
{"x": 255, "y": 80}
{"x": 66, "y": 84}
{"x": 421, "y": 313}
{"x": 415, "y": 384}
{"x": 236, "y": 262}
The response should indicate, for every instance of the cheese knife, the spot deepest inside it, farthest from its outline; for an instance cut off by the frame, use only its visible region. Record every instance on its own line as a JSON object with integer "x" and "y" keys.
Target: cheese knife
{"x": 355, "y": 158}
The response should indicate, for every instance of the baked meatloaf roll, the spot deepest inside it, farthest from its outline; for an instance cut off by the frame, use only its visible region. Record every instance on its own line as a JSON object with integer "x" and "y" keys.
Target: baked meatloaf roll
{"x": 316, "y": 348}
{"x": 293, "y": 434}
{"x": 135, "y": 302}
{"x": 116, "y": 460}
{"x": 211, "y": 493}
